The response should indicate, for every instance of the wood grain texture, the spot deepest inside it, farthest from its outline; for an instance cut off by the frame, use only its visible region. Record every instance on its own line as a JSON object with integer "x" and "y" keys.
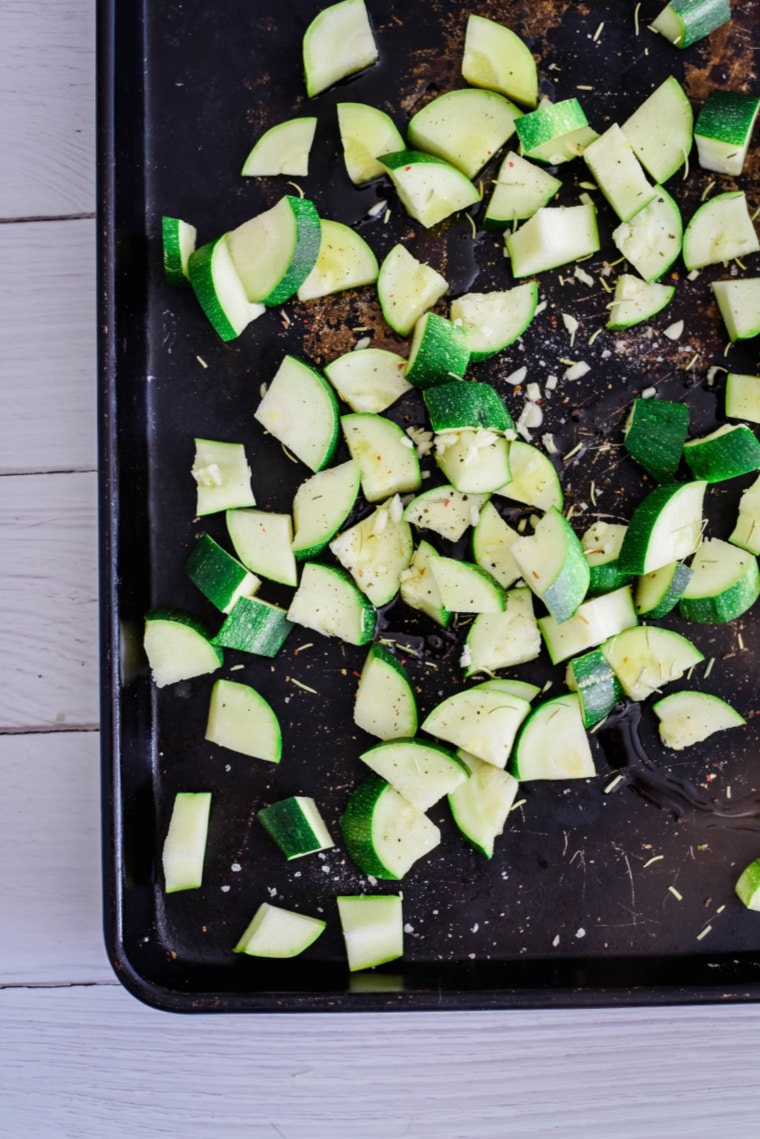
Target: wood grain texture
{"x": 48, "y": 602}
{"x": 47, "y": 108}
{"x": 115, "y": 1068}
{"x": 47, "y": 346}
{"x": 50, "y": 854}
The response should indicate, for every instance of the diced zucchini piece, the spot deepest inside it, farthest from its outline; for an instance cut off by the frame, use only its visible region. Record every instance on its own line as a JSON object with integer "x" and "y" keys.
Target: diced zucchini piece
{"x": 520, "y": 189}
{"x": 594, "y": 622}
{"x": 618, "y": 173}
{"x": 445, "y": 511}
{"x": 321, "y": 505}
{"x": 496, "y": 58}
{"x": 503, "y": 640}
{"x": 533, "y": 478}
{"x": 660, "y": 130}
{"x": 387, "y": 459}
{"x": 466, "y": 588}
{"x": 373, "y": 929}
{"x": 553, "y": 743}
{"x": 301, "y": 411}
{"x": 492, "y": 540}
{"x": 345, "y": 261}
{"x": 666, "y": 527}
{"x": 328, "y": 602}
{"x": 420, "y": 771}
{"x": 725, "y": 583}
{"x": 384, "y": 833}
{"x": 647, "y": 657}
{"x": 655, "y": 434}
{"x": 262, "y": 540}
{"x": 365, "y": 132}
{"x": 729, "y": 451}
{"x": 440, "y": 351}
{"x": 376, "y": 551}
{"x": 553, "y": 236}
{"x": 220, "y": 577}
{"x": 480, "y": 806}
{"x": 178, "y": 647}
{"x": 239, "y": 718}
{"x": 337, "y": 43}
{"x": 495, "y": 320}
{"x": 385, "y": 705}
{"x": 598, "y": 688}
{"x": 407, "y": 288}
{"x": 370, "y": 379}
{"x": 296, "y": 826}
{"x": 723, "y": 130}
{"x": 748, "y": 885}
{"x": 275, "y": 251}
{"x": 687, "y": 718}
{"x": 473, "y": 460}
{"x": 184, "y": 847}
{"x": 746, "y": 532}
{"x": 283, "y": 149}
{"x": 555, "y": 132}
{"x": 553, "y": 564}
{"x": 429, "y": 188}
{"x": 483, "y": 720}
{"x": 178, "y": 239}
{"x": 278, "y": 933}
{"x": 254, "y": 626}
{"x": 418, "y": 586}
{"x": 743, "y": 397}
{"x": 658, "y": 592}
{"x": 651, "y": 239}
{"x": 636, "y": 301}
{"x": 684, "y": 22}
{"x": 466, "y": 128}
{"x": 739, "y": 304}
{"x": 720, "y": 230}
{"x": 601, "y": 545}
{"x": 220, "y": 291}
{"x": 222, "y": 476}
{"x": 474, "y": 404}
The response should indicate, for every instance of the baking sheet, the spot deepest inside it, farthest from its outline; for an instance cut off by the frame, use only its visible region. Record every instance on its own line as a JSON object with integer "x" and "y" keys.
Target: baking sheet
{"x": 591, "y": 897}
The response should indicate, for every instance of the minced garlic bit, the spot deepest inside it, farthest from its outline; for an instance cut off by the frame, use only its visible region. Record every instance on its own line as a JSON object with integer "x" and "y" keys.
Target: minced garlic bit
{"x": 533, "y": 391}
{"x": 263, "y": 389}
{"x": 577, "y": 371}
{"x": 208, "y": 476}
{"x": 517, "y": 377}
{"x": 363, "y": 343}
{"x": 692, "y": 275}
{"x": 465, "y": 659}
{"x": 549, "y": 444}
{"x": 540, "y": 307}
{"x": 551, "y": 383}
{"x": 674, "y": 331}
{"x": 378, "y": 208}
{"x": 571, "y": 325}
{"x": 649, "y": 393}
{"x": 586, "y": 198}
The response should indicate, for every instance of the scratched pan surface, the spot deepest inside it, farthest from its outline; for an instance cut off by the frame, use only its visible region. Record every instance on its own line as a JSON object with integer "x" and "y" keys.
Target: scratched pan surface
{"x": 576, "y": 905}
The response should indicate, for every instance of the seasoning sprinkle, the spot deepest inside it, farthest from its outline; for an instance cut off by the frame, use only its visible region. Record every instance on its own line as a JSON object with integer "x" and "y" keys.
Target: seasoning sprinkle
{"x": 678, "y": 897}
{"x": 611, "y": 786}
{"x": 654, "y": 858}
{"x": 305, "y": 687}
{"x": 704, "y": 932}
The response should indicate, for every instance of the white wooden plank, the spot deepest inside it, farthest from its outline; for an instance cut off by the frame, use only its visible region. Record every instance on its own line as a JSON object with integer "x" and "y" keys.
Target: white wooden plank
{"x": 48, "y": 601}
{"x": 112, "y": 1067}
{"x": 50, "y": 859}
{"x": 47, "y": 346}
{"x": 47, "y": 107}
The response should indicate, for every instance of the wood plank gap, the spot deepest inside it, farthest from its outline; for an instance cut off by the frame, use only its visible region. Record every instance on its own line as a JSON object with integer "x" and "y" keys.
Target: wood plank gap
{"x": 47, "y": 217}
{"x": 13, "y": 472}
{"x": 47, "y": 729}
{"x": 60, "y": 985}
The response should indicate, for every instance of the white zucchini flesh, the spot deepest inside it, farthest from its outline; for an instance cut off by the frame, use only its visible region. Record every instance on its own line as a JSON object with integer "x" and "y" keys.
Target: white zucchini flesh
{"x": 743, "y": 397}
{"x": 636, "y": 301}
{"x": 496, "y": 58}
{"x": 651, "y": 239}
{"x": 275, "y": 251}
{"x": 178, "y": 240}
{"x": 594, "y": 621}
{"x": 422, "y": 772}
{"x": 300, "y": 409}
{"x": 687, "y": 718}
{"x": 220, "y": 291}
{"x": 533, "y": 478}
{"x": 376, "y": 551}
{"x": 495, "y": 320}
{"x": 296, "y": 825}
{"x": 553, "y": 743}
{"x": 263, "y": 542}
{"x": 746, "y": 532}
{"x": 283, "y": 149}
{"x": 465, "y": 127}
{"x": 739, "y": 304}
{"x": 386, "y": 456}
{"x": 720, "y": 230}
{"x": 321, "y": 505}
{"x": 365, "y": 132}
{"x": 178, "y": 647}
{"x": 345, "y": 261}
{"x": 184, "y": 848}
{"x": 647, "y": 657}
{"x": 660, "y": 130}
{"x": 385, "y": 704}
{"x": 666, "y": 527}
{"x": 492, "y": 540}
{"x": 368, "y": 379}
{"x": 418, "y": 585}
{"x": 338, "y": 42}
{"x": 723, "y": 130}
{"x": 483, "y": 721}
{"x": 473, "y": 460}
{"x": 554, "y": 236}
{"x": 278, "y": 933}
{"x": 222, "y": 476}
{"x": 618, "y": 172}
{"x": 445, "y": 511}
{"x": 407, "y": 288}
{"x": 520, "y": 189}
{"x": 503, "y": 640}
{"x": 725, "y": 582}
{"x": 555, "y": 132}
{"x": 239, "y": 718}
{"x": 480, "y": 806}
{"x": 384, "y": 833}
{"x": 373, "y": 929}
{"x": 466, "y": 588}
{"x": 429, "y": 188}
{"x": 328, "y": 601}
{"x": 554, "y": 565}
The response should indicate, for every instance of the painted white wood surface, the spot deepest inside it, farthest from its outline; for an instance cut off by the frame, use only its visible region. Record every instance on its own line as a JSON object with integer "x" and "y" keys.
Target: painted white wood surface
{"x": 89, "y": 1060}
